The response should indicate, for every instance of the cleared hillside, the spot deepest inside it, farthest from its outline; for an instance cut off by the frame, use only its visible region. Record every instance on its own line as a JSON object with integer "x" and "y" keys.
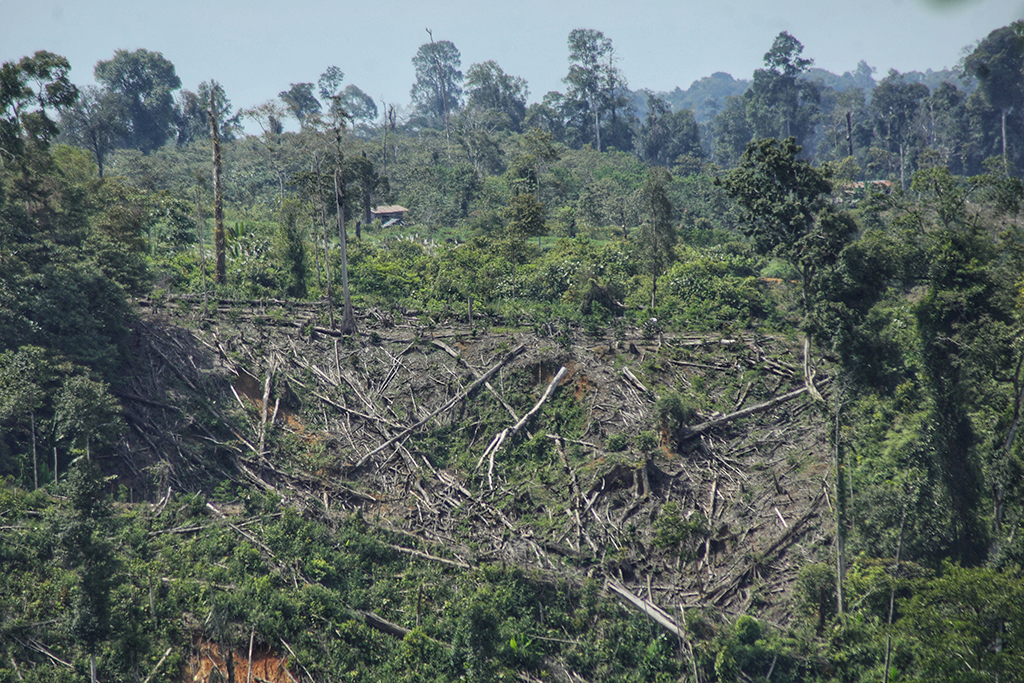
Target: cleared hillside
{"x": 400, "y": 425}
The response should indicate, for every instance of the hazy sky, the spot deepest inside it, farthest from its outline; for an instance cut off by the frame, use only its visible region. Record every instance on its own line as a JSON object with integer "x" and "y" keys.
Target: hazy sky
{"x": 257, "y": 48}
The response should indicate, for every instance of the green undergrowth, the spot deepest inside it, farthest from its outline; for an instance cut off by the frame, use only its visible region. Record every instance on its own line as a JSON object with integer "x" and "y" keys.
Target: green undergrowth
{"x": 180, "y": 573}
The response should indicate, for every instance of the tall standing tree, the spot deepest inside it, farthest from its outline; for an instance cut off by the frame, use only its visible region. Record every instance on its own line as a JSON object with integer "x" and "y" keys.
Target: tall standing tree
{"x": 779, "y": 103}
{"x": 23, "y": 378}
{"x": 219, "y": 246}
{"x": 666, "y": 135}
{"x": 895, "y": 104}
{"x": 595, "y": 95}
{"x": 28, "y": 89}
{"x": 657, "y": 234}
{"x": 329, "y": 83}
{"x": 350, "y": 102}
{"x": 790, "y": 215}
{"x": 360, "y": 170}
{"x": 547, "y": 115}
{"x": 301, "y": 102}
{"x": 731, "y": 132}
{"x": 83, "y": 547}
{"x": 97, "y": 121}
{"x": 190, "y": 118}
{"x": 146, "y": 80}
{"x": 845, "y": 129}
{"x": 359, "y": 106}
{"x": 998, "y": 64}
{"x": 191, "y": 114}
{"x": 524, "y": 218}
{"x": 789, "y": 212}
{"x": 290, "y": 249}
{"x": 268, "y": 116}
{"x": 945, "y": 123}
{"x": 489, "y": 88}
{"x": 348, "y": 319}
{"x": 437, "y": 92}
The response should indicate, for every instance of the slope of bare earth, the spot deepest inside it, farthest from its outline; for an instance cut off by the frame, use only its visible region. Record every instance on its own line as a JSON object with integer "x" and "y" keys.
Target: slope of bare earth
{"x": 404, "y": 424}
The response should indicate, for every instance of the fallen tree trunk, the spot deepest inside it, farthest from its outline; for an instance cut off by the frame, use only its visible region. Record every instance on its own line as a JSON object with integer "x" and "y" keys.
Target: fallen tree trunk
{"x": 649, "y": 608}
{"x": 697, "y": 430}
{"x": 454, "y": 354}
{"x": 379, "y": 623}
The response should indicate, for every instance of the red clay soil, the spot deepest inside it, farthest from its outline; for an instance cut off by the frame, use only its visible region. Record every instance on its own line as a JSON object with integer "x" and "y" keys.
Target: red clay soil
{"x": 209, "y": 665}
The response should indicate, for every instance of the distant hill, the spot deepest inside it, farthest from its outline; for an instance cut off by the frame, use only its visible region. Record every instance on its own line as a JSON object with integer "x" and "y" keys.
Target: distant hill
{"x": 706, "y": 96}
{"x": 933, "y": 79}
{"x": 862, "y": 77}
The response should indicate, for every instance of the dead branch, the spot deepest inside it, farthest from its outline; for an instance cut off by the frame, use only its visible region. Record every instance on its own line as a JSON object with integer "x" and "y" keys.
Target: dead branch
{"x": 809, "y": 370}
{"x": 264, "y": 413}
{"x": 454, "y": 354}
{"x": 296, "y": 658}
{"x": 427, "y": 556}
{"x": 635, "y": 381}
{"x": 559, "y": 437}
{"x": 34, "y": 644}
{"x": 157, "y": 667}
{"x": 737, "y": 579}
{"x": 451, "y": 403}
{"x": 504, "y": 434}
{"x": 350, "y": 411}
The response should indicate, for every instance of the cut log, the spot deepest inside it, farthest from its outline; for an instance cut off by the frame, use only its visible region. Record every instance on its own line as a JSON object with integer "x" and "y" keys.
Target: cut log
{"x": 379, "y": 623}
{"x": 454, "y": 354}
{"x": 649, "y": 608}
{"x": 427, "y": 556}
{"x": 635, "y": 381}
{"x": 697, "y": 430}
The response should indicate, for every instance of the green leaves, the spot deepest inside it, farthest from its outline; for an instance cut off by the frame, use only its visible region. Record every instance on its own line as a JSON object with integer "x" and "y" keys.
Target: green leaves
{"x": 437, "y": 92}
{"x": 782, "y": 195}
{"x": 84, "y": 411}
{"x": 45, "y": 401}
{"x": 673, "y": 530}
{"x": 290, "y": 250}
{"x": 491, "y": 89}
{"x": 594, "y": 101}
{"x": 788, "y": 209}
{"x": 146, "y": 79}
{"x": 28, "y": 88}
{"x": 665, "y": 136}
{"x": 964, "y": 625}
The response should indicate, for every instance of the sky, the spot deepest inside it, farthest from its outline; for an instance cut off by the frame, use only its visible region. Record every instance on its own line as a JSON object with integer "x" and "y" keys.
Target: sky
{"x": 257, "y": 48}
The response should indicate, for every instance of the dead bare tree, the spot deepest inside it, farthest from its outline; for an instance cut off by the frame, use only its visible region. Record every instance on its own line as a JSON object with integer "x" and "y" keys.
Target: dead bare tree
{"x": 327, "y": 253}
{"x": 220, "y": 268}
{"x": 348, "y": 320}
{"x": 202, "y": 244}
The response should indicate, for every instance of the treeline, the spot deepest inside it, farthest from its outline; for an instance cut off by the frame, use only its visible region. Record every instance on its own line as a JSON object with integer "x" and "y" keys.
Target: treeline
{"x": 878, "y": 129}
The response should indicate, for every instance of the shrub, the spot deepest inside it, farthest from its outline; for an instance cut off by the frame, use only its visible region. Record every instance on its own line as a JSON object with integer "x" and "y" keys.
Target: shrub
{"x": 675, "y": 411}
{"x": 616, "y": 442}
{"x": 646, "y": 441}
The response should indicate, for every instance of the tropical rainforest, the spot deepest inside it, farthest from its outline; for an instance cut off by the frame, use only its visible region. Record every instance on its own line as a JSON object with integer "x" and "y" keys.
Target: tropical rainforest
{"x": 721, "y": 384}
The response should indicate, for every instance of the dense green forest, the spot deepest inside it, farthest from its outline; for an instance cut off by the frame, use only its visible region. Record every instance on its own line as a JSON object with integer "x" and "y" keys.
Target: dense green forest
{"x": 862, "y": 236}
